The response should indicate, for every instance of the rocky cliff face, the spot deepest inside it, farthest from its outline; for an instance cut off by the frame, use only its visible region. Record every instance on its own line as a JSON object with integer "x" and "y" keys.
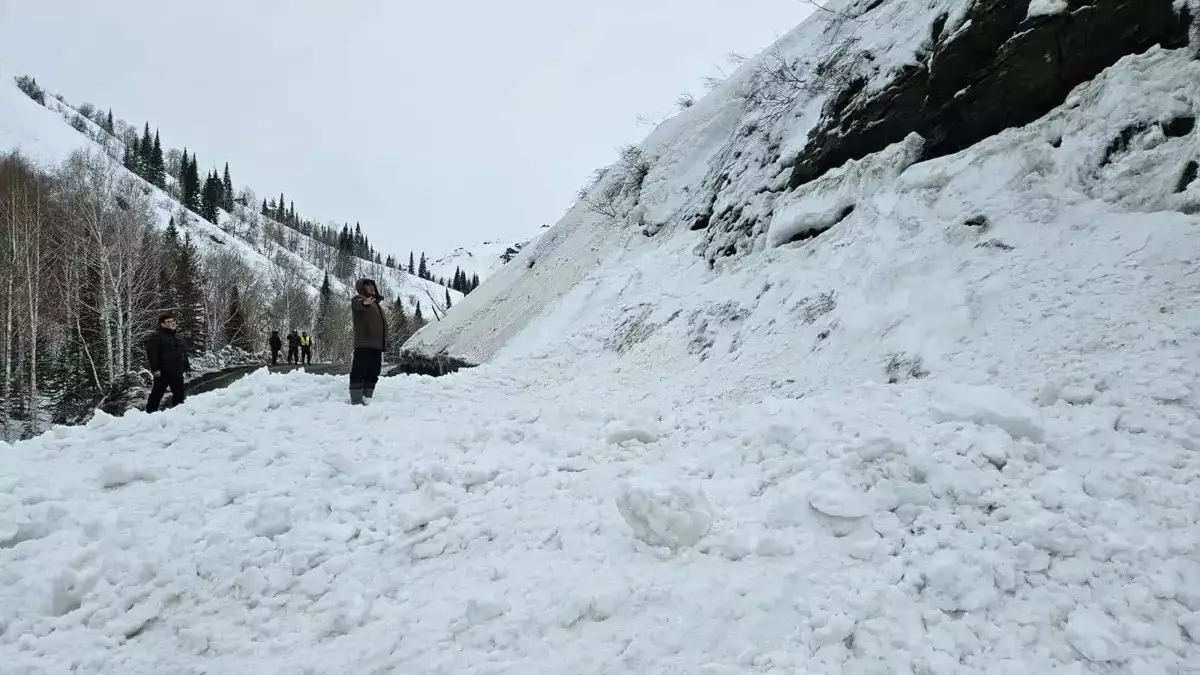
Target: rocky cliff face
{"x": 999, "y": 65}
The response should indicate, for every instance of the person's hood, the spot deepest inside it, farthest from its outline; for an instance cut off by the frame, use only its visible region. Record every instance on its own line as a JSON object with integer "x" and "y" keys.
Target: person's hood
{"x": 361, "y": 285}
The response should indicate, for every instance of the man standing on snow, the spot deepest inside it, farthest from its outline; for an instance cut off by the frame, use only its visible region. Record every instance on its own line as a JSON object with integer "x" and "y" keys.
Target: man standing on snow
{"x": 275, "y": 344}
{"x": 370, "y": 340}
{"x": 306, "y": 348}
{"x": 168, "y": 362}
{"x": 293, "y": 347}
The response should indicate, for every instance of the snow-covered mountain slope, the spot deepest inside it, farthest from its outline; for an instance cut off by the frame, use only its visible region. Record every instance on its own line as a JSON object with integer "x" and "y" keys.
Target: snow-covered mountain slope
{"x": 43, "y": 134}
{"x": 956, "y": 432}
{"x": 484, "y": 259}
{"x": 730, "y": 176}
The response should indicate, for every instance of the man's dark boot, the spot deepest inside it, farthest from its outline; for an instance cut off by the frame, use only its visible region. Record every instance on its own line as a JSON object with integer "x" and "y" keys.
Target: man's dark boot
{"x": 356, "y": 397}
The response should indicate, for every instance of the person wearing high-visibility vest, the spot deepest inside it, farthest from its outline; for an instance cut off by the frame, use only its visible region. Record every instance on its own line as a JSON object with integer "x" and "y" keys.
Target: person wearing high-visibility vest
{"x": 305, "y": 348}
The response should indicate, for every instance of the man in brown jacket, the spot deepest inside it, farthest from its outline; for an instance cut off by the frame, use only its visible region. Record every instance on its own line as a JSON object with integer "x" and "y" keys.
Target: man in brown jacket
{"x": 370, "y": 341}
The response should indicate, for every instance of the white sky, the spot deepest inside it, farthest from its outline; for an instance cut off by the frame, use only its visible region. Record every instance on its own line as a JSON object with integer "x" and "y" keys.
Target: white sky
{"x": 435, "y": 124}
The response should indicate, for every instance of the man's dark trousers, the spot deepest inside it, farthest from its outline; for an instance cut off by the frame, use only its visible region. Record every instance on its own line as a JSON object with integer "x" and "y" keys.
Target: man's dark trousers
{"x": 174, "y": 381}
{"x": 364, "y": 370}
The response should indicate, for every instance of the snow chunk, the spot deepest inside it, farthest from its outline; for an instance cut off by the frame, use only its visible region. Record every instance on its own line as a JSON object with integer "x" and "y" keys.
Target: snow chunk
{"x": 1170, "y": 392}
{"x": 821, "y": 204}
{"x": 833, "y": 496}
{"x": 1046, "y": 7}
{"x": 1094, "y": 635}
{"x": 117, "y": 474}
{"x": 481, "y": 610}
{"x": 675, "y": 517}
{"x": 988, "y": 405}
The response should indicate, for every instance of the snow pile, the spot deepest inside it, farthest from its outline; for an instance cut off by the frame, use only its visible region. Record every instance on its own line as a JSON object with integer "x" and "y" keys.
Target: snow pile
{"x": 850, "y": 531}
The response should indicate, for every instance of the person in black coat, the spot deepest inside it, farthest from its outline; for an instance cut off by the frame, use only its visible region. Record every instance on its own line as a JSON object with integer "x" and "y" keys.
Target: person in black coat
{"x": 275, "y": 344}
{"x": 168, "y": 362}
{"x": 293, "y": 339}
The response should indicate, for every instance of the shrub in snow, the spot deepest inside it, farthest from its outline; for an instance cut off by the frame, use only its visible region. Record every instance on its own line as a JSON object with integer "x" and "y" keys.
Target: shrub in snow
{"x": 30, "y": 86}
{"x": 674, "y": 517}
{"x": 900, "y": 368}
{"x": 78, "y": 124}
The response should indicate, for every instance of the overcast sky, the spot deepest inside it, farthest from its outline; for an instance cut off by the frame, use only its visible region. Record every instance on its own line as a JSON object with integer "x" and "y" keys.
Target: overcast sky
{"x": 435, "y": 124}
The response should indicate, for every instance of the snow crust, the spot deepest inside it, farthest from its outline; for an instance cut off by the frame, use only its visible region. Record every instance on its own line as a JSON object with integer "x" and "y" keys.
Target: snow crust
{"x": 1047, "y": 7}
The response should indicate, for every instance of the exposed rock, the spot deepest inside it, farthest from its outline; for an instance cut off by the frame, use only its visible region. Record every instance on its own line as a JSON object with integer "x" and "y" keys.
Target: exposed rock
{"x": 1003, "y": 69}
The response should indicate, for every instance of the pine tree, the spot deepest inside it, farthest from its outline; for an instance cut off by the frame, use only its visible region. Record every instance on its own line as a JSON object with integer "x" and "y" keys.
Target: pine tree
{"x": 265, "y": 212}
{"x": 183, "y": 169}
{"x": 210, "y": 199}
{"x": 133, "y": 156}
{"x": 146, "y": 152}
{"x": 280, "y": 213}
{"x": 158, "y": 165}
{"x": 326, "y": 329}
{"x": 227, "y": 189}
{"x": 412, "y": 269}
{"x": 108, "y": 123}
{"x": 418, "y": 320}
{"x": 475, "y": 282}
{"x": 191, "y": 186}
{"x": 448, "y": 303}
{"x": 423, "y": 268}
{"x": 192, "y": 324}
{"x": 237, "y": 331}
{"x": 291, "y": 214}
{"x": 400, "y": 327}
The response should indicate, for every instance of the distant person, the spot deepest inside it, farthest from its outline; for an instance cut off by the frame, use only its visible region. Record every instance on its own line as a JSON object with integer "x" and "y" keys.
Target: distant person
{"x": 306, "y": 348}
{"x": 275, "y": 344}
{"x": 168, "y": 361}
{"x": 370, "y": 340}
{"x": 293, "y": 347}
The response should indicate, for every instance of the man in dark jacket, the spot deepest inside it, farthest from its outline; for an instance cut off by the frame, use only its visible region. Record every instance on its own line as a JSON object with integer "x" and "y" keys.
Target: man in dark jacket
{"x": 293, "y": 347}
{"x": 275, "y": 344}
{"x": 168, "y": 362}
{"x": 370, "y": 341}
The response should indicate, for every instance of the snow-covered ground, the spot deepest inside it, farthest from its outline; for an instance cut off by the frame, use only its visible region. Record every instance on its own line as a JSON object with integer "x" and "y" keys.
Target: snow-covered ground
{"x": 957, "y": 433}
{"x": 44, "y": 135}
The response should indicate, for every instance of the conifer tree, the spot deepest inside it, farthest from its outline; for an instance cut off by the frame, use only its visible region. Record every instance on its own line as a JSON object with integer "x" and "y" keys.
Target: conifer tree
{"x": 423, "y": 268}
{"x": 448, "y": 303}
{"x": 418, "y": 320}
{"x": 146, "y": 154}
{"x": 158, "y": 165}
{"x": 280, "y": 213}
{"x": 326, "y": 329}
{"x": 183, "y": 169}
{"x": 412, "y": 269}
{"x": 210, "y": 198}
{"x": 108, "y": 123}
{"x": 474, "y": 282}
{"x": 227, "y": 189}
{"x": 237, "y": 331}
{"x": 192, "y": 324}
{"x": 399, "y": 325}
{"x": 191, "y": 186}
{"x": 265, "y": 212}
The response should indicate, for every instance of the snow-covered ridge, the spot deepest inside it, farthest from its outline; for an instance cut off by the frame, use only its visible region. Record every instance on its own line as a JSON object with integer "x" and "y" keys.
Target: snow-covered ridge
{"x": 484, "y": 259}
{"x": 43, "y": 134}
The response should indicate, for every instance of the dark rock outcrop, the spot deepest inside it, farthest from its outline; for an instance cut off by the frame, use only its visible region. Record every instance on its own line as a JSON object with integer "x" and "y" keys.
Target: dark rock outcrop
{"x": 413, "y": 363}
{"x": 1000, "y": 70}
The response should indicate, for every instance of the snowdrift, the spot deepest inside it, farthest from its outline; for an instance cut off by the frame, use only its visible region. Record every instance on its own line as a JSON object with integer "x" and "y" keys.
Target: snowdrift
{"x": 923, "y": 416}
